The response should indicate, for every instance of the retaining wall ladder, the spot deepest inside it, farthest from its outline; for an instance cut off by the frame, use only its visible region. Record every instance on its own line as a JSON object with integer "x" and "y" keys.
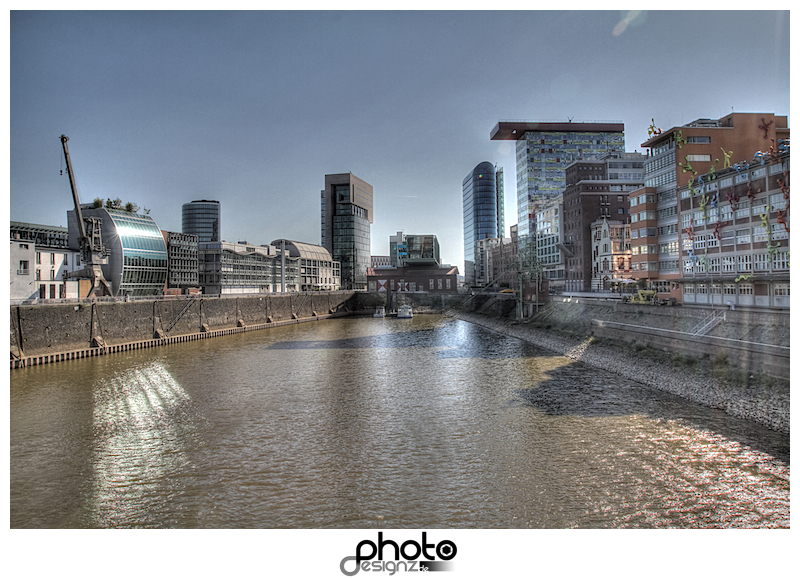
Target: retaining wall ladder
{"x": 708, "y": 323}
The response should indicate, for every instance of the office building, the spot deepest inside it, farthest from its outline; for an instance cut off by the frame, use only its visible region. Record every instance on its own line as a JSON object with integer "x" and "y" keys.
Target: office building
{"x": 596, "y": 188}
{"x": 137, "y": 252}
{"x": 182, "y": 260}
{"x": 228, "y": 268}
{"x": 482, "y": 203}
{"x": 679, "y": 158}
{"x": 551, "y": 253}
{"x": 544, "y": 149}
{"x": 346, "y": 217}
{"x": 318, "y": 272}
{"x": 201, "y": 218}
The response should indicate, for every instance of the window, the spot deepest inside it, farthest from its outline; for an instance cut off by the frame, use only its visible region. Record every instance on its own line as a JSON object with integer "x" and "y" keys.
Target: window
{"x": 743, "y": 236}
{"x": 744, "y": 262}
{"x": 728, "y": 264}
{"x": 781, "y": 260}
{"x": 746, "y": 289}
{"x": 23, "y": 246}
{"x": 38, "y": 258}
{"x": 781, "y": 289}
{"x": 761, "y": 262}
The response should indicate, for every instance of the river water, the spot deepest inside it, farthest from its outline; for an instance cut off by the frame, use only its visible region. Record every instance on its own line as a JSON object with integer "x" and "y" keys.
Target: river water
{"x": 376, "y": 423}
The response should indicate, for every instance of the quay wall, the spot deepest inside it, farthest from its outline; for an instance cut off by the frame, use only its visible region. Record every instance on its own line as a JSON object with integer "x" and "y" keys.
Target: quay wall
{"x": 41, "y": 331}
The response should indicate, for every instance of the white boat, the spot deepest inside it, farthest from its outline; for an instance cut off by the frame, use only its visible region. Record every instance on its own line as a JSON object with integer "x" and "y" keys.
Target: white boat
{"x": 404, "y": 312}
{"x": 380, "y": 312}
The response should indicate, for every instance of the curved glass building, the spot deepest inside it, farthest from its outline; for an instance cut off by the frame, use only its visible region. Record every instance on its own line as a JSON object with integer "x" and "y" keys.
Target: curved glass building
{"x": 201, "y": 218}
{"x": 137, "y": 252}
{"x": 483, "y": 211}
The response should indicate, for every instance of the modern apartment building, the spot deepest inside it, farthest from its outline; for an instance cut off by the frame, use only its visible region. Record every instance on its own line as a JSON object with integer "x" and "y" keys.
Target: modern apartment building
{"x": 544, "y": 149}
{"x": 596, "y": 188}
{"x": 735, "y": 234}
{"x": 346, "y": 217}
{"x": 690, "y": 155}
{"x": 483, "y": 210}
{"x": 201, "y": 218}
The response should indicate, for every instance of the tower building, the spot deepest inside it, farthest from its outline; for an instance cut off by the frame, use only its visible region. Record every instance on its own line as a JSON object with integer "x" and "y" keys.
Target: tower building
{"x": 346, "y": 218}
{"x": 482, "y": 199}
{"x": 201, "y": 218}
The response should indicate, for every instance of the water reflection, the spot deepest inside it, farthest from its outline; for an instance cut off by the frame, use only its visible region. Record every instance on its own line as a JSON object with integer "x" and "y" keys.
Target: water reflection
{"x": 370, "y": 423}
{"x": 139, "y": 440}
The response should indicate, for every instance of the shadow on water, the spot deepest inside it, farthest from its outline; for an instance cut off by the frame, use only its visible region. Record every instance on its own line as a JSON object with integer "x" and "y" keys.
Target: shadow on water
{"x": 573, "y": 388}
{"x": 580, "y": 390}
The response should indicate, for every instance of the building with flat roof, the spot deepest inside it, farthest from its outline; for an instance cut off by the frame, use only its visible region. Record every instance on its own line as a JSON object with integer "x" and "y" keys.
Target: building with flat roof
{"x": 734, "y": 248}
{"x": 182, "y": 263}
{"x": 544, "y": 149}
{"x": 551, "y": 253}
{"x": 228, "y": 268}
{"x": 201, "y": 218}
{"x": 346, "y": 217}
{"x": 689, "y": 155}
{"x": 483, "y": 211}
{"x": 419, "y": 278}
{"x": 40, "y": 256}
{"x": 137, "y": 253}
{"x": 596, "y": 188}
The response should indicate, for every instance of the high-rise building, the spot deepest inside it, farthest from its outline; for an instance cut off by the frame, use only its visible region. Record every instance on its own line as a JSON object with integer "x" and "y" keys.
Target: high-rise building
{"x": 201, "y": 218}
{"x": 482, "y": 199}
{"x": 346, "y": 218}
{"x": 544, "y": 149}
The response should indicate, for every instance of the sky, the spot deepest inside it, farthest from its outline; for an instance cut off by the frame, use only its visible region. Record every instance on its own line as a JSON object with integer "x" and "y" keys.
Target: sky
{"x": 253, "y": 109}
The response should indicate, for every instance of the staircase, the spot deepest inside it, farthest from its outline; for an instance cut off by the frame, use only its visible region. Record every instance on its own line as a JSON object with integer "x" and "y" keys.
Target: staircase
{"x": 708, "y": 323}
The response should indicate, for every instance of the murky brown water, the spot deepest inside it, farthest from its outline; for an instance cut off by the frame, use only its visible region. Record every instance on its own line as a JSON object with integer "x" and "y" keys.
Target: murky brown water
{"x": 376, "y": 423}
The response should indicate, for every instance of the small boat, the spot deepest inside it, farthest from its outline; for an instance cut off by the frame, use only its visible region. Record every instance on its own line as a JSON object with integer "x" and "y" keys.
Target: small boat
{"x": 380, "y": 312}
{"x": 404, "y": 312}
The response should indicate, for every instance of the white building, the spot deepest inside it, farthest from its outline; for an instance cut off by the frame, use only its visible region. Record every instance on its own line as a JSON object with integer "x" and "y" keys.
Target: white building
{"x": 611, "y": 253}
{"x": 40, "y": 257}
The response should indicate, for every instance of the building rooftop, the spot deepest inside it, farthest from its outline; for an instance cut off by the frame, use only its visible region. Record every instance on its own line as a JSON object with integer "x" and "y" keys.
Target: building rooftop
{"x": 513, "y": 130}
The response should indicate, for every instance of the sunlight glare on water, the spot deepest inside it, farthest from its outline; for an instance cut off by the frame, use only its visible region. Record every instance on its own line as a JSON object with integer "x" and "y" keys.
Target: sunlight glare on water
{"x": 377, "y": 423}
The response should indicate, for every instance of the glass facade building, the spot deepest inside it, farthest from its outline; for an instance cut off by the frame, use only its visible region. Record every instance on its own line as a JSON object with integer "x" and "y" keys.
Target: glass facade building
{"x": 544, "y": 149}
{"x": 346, "y": 218}
{"x": 483, "y": 211}
{"x": 201, "y": 218}
{"x": 137, "y": 253}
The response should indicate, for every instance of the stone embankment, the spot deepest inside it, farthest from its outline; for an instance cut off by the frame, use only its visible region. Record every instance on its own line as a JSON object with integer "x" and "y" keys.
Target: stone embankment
{"x": 766, "y": 404}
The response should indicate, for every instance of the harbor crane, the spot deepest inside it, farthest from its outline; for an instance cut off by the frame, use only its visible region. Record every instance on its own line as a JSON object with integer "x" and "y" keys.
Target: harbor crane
{"x": 93, "y": 253}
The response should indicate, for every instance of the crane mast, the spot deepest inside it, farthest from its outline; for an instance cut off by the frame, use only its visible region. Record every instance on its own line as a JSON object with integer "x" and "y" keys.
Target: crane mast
{"x": 93, "y": 253}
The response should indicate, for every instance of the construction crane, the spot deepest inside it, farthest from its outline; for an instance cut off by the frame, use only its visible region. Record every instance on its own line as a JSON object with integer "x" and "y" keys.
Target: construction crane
{"x": 93, "y": 253}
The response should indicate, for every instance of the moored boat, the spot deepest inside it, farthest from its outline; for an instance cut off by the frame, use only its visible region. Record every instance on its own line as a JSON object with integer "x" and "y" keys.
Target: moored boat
{"x": 404, "y": 312}
{"x": 380, "y": 312}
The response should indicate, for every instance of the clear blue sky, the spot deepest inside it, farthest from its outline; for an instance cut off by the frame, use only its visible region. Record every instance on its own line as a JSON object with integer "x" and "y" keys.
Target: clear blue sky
{"x": 253, "y": 109}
